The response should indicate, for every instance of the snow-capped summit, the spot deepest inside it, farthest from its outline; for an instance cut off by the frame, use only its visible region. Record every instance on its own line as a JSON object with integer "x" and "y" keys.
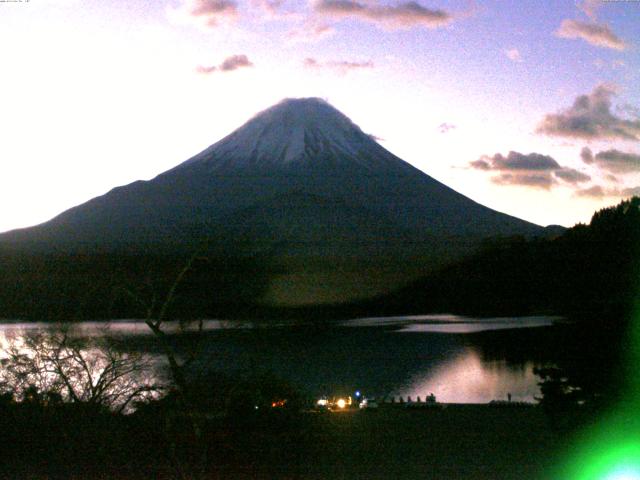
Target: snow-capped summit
{"x": 297, "y": 133}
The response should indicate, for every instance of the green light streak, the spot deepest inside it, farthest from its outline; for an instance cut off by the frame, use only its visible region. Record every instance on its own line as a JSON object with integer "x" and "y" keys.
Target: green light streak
{"x": 610, "y": 450}
{"x": 612, "y": 461}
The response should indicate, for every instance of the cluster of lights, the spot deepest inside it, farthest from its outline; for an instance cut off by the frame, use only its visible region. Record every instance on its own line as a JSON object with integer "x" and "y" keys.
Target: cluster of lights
{"x": 340, "y": 403}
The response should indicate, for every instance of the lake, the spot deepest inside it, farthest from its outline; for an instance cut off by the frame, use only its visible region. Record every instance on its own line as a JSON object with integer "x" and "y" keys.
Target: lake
{"x": 459, "y": 359}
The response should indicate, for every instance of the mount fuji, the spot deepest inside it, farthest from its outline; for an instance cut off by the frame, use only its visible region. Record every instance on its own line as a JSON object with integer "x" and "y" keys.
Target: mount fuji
{"x": 299, "y": 184}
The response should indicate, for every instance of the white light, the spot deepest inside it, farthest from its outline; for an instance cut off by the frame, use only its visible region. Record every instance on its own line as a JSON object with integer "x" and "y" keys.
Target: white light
{"x": 624, "y": 474}
{"x": 341, "y": 403}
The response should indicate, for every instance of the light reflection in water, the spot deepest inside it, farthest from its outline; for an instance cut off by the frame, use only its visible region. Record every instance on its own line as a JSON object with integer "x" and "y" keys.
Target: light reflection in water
{"x": 475, "y": 326}
{"x": 121, "y": 327}
{"x": 446, "y": 323}
{"x": 467, "y": 379}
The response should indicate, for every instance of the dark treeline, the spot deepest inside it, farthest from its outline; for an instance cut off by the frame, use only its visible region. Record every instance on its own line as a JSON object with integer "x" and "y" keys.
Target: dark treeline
{"x": 97, "y": 286}
{"x": 44, "y": 436}
{"x": 589, "y": 270}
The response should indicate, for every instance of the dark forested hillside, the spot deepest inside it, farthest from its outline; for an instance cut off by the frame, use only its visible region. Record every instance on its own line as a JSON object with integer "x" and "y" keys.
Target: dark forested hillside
{"x": 69, "y": 287}
{"x": 588, "y": 270}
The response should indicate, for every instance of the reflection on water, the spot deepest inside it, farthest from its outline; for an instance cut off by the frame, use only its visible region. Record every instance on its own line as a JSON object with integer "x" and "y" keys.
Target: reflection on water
{"x": 413, "y": 356}
{"x": 115, "y": 328}
{"x": 467, "y": 379}
{"x": 127, "y": 327}
{"x": 467, "y": 326}
{"x": 442, "y": 323}
{"x": 446, "y": 323}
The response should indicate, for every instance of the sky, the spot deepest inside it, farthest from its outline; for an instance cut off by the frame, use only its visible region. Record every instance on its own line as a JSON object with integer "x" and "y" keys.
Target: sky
{"x": 531, "y": 108}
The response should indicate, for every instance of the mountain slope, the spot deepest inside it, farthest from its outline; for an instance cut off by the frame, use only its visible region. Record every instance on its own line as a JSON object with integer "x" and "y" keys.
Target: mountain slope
{"x": 302, "y": 145}
{"x": 299, "y": 183}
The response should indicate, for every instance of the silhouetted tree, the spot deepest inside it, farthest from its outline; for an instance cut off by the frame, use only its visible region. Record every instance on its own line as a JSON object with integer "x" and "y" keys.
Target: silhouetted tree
{"x": 51, "y": 366}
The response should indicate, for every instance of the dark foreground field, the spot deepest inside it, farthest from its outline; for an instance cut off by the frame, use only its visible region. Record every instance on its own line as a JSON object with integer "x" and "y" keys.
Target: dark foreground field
{"x": 459, "y": 442}
{"x": 466, "y": 441}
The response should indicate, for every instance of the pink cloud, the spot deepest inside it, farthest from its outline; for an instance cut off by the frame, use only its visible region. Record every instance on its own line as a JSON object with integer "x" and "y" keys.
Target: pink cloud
{"x": 342, "y": 66}
{"x": 593, "y": 33}
{"x": 205, "y": 70}
{"x": 272, "y": 7}
{"x": 513, "y": 54}
{"x": 229, "y": 64}
{"x": 210, "y": 13}
{"x": 310, "y": 32}
{"x": 403, "y": 15}
{"x": 446, "y": 127}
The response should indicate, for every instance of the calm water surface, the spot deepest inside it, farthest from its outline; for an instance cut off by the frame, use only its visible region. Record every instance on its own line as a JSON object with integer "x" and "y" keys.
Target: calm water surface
{"x": 459, "y": 359}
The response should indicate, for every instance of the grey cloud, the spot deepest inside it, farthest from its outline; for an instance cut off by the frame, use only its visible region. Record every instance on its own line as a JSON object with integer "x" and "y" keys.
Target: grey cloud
{"x": 586, "y": 155}
{"x": 593, "y": 33}
{"x": 481, "y": 164}
{"x": 211, "y": 12}
{"x": 235, "y": 62}
{"x": 516, "y": 161}
{"x": 229, "y": 64}
{"x": 590, "y": 117}
{"x": 612, "y": 178}
{"x": 596, "y": 191}
{"x": 402, "y": 15}
{"x": 446, "y": 127}
{"x": 572, "y": 176}
{"x": 529, "y": 170}
{"x": 537, "y": 180}
{"x": 618, "y": 162}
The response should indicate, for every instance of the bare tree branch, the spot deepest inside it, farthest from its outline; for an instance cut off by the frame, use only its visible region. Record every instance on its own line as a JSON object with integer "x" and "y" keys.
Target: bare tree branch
{"x": 90, "y": 371}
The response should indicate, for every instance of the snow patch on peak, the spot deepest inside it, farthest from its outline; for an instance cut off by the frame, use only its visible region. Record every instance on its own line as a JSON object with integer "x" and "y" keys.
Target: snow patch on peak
{"x": 293, "y": 101}
{"x": 296, "y": 131}
{"x": 293, "y": 122}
